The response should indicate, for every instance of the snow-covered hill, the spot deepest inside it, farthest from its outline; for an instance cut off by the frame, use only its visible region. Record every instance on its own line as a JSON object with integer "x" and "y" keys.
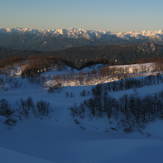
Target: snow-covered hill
{"x": 62, "y": 138}
{"x": 98, "y": 74}
{"x": 57, "y": 139}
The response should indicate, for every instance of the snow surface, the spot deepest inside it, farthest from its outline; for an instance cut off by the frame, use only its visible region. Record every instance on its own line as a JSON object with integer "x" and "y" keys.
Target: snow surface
{"x": 57, "y": 143}
{"x": 57, "y": 139}
{"x": 9, "y": 156}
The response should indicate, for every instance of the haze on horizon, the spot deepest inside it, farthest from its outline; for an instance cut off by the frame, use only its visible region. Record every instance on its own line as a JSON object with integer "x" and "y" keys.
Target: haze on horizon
{"x": 113, "y": 15}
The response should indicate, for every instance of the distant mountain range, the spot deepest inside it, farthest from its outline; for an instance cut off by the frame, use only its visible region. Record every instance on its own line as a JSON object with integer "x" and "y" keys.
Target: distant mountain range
{"x": 57, "y": 39}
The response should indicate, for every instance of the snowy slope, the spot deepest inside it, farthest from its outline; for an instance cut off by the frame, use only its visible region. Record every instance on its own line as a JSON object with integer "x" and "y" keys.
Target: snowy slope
{"x": 56, "y": 143}
{"x": 104, "y": 74}
{"x": 8, "y": 156}
{"x": 57, "y": 139}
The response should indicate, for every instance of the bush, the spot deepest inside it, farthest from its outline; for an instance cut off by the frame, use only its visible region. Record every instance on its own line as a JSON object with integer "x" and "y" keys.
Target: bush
{"x": 5, "y": 108}
{"x": 43, "y": 108}
{"x": 83, "y": 93}
{"x": 128, "y": 130}
{"x": 26, "y": 106}
{"x": 10, "y": 122}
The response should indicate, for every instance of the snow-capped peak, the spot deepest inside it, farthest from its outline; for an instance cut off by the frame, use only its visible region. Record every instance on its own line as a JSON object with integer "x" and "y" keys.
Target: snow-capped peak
{"x": 75, "y": 32}
{"x": 57, "y": 39}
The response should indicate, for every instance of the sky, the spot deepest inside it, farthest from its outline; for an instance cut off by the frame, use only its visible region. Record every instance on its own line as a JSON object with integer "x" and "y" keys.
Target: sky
{"x": 113, "y": 15}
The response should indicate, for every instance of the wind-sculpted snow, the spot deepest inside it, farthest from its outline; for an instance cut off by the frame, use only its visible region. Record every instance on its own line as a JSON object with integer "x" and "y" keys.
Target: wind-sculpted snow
{"x": 54, "y": 39}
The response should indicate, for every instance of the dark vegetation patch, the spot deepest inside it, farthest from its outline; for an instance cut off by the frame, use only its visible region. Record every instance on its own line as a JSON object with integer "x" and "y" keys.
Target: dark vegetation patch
{"x": 80, "y": 57}
{"x": 24, "y": 108}
{"x": 133, "y": 83}
{"x": 129, "y": 111}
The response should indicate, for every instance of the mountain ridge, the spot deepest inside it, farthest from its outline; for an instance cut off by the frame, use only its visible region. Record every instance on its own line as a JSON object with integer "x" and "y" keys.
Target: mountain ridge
{"x": 58, "y": 39}
{"x": 74, "y": 32}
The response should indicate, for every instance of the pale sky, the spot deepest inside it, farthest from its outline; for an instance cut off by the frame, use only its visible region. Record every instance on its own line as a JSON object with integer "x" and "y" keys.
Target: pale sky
{"x": 113, "y": 15}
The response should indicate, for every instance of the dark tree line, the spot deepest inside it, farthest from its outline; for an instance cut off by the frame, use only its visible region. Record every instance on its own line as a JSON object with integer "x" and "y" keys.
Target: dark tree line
{"x": 131, "y": 111}
{"x": 130, "y": 83}
{"x": 23, "y": 109}
{"x": 81, "y": 57}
